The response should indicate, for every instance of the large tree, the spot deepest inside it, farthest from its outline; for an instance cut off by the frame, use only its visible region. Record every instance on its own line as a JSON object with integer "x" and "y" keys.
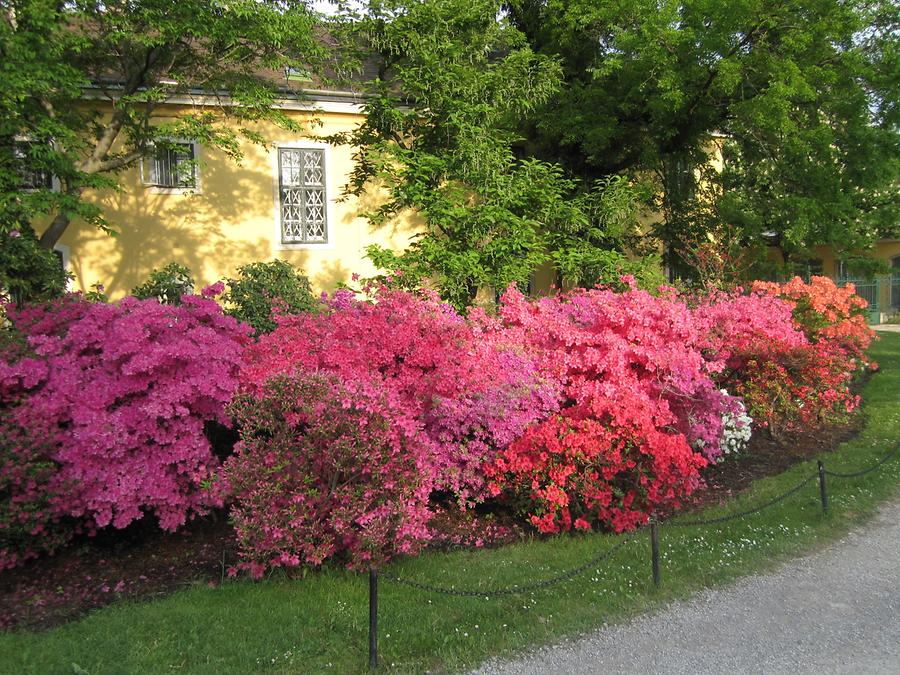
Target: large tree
{"x": 131, "y": 57}
{"x": 800, "y": 95}
{"x": 453, "y": 82}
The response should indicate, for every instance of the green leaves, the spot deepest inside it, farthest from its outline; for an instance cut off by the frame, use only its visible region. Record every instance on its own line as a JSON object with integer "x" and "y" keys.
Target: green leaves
{"x": 455, "y": 81}
{"x": 800, "y": 89}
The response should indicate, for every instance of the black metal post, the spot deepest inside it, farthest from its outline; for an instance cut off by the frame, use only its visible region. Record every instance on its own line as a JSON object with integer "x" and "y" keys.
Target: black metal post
{"x": 654, "y": 550}
{"x": 373, "y": 619}
{"x": 823, "y": 491}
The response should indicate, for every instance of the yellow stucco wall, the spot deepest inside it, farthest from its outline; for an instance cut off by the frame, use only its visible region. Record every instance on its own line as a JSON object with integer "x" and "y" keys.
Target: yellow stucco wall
{"x": 885, "y": 250}
{"x": 230, "y": 220}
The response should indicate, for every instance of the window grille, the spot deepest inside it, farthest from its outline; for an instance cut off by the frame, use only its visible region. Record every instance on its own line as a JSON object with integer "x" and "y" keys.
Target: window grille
{"x": 32, "y": 178}
{"x": 172, "y": 166}
{"x": 302, "y": 199}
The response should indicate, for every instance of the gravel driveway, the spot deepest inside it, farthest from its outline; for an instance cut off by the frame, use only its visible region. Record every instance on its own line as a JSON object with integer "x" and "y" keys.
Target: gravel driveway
{"x": 836, "y": 611}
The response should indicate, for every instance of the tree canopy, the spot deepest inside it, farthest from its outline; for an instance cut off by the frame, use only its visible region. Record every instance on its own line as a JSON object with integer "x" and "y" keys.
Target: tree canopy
{"x": 440, "y": 136}
{"x": 800, "y": 95}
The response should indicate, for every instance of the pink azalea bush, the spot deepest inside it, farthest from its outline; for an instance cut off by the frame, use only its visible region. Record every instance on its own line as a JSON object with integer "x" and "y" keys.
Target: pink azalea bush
{"x": 322, "y": 471}
{"x": 637, "y": 399}
{"x": 119, "y": 395}
{"x": 789, "y": 350}
{"x": 467, "y": 392}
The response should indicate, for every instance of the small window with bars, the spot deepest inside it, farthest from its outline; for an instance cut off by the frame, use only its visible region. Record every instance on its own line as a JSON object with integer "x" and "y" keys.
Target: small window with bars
{"x": 302, "y": 199}
{"x": 171, "y": 166}
{"x": 32, "y": 178}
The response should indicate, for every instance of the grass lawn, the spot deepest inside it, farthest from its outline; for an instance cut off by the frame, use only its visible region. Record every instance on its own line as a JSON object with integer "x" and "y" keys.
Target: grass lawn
{"x": 319, "y": 623}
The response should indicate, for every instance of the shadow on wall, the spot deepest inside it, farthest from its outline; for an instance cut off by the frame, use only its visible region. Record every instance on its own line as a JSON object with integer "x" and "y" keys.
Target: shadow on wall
{"x": 404, "y": 227}
{"x": 228, "y": 223}
{"x": 328, "y": 275}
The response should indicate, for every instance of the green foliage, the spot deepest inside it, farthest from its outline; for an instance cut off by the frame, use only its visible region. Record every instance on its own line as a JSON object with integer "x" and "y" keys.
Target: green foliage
{"x": 97, "y": 293}
{"x": 444, "y": 149}
{"x": 264, "y": 286}
{"x": 28, "y": 272}
{"x": 166, "y": 285}
{"x": 801, "y": 95}
{"x": 138, "y": 55}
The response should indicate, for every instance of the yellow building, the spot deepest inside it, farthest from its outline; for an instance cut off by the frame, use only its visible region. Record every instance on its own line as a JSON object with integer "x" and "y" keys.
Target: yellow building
{"x": 882, "y": 291}
{"x": 198, "y": 207}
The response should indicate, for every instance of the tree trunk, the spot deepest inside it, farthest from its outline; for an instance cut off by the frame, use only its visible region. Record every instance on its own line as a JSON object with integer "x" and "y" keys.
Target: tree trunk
{"x": 55, "y": 231}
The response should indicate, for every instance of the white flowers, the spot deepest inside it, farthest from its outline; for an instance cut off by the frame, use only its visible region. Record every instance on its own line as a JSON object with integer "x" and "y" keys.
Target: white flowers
{"x": 735, "y": 430}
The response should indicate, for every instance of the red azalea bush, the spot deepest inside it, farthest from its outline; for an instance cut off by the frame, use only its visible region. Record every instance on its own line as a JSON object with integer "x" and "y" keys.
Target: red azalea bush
{"x": 636, "y": 396}
{"x": 467, "y": 391}
{"x": 792, "y": 389}
{"x": 120, "y": 395}
{"x": 323, "y": 471}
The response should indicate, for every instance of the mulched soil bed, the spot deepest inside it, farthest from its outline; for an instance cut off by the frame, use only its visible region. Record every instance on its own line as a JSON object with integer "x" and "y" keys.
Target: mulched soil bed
{"x": 142, "y": 562}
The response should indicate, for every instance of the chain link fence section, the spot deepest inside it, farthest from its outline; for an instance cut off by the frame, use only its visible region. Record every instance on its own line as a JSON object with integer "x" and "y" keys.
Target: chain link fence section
{"x": 511, "y": 590}
{"x": 863, "y": 472}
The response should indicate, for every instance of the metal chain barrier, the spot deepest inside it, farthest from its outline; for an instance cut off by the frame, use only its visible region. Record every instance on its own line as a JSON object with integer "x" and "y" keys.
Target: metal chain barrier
{"x": 653, "y": 526}
{"x": 741, "y": 514}
{"x": 872, "y": 468}
{"x": 512, "y": 590}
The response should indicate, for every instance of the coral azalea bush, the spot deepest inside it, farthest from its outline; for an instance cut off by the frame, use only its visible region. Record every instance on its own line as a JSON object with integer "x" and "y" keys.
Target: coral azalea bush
{"x": 826, "y": 314}
{"x": 637, "y": 397}
{"x": 322, "y": 471}
{"x": 119, "y": 395}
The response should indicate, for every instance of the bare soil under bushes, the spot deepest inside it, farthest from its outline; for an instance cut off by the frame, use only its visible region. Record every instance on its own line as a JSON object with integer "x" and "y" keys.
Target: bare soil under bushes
{"x": 143, "y": 562}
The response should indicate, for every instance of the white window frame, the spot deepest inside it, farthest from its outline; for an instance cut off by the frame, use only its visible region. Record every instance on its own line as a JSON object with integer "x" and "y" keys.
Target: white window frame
{"x": 197, "y": 188}
{"x": 55, "y": 185}
{"x": 330, "y": 192}
{"x": 65, "y": 253}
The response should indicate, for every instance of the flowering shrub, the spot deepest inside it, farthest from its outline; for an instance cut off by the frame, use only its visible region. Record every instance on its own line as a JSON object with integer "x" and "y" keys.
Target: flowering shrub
{"x": 826, "y": 313}
{"x": 320, "y": 472}
{"x": 736, "y": 430}
{"x": 121, "y": 394}
{"x": 469, "y": 392}
{"x": 791, "y": 376}
{"x": 29, "y": 524}
{"x": 792, "y": 389}
{"x": 636, "y": 395}
{"x": 731, "y": 323}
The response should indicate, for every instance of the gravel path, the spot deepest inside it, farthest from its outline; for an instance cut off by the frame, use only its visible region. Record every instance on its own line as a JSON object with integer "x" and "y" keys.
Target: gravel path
{"x": 836, "y": 611}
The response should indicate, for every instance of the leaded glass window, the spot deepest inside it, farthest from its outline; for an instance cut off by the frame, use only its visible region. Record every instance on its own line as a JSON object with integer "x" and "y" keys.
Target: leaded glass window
{"x": 302, "y": 199}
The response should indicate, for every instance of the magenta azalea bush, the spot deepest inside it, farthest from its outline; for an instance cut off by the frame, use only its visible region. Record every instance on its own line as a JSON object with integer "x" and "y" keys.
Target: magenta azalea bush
{"x": 323, "y": 471}
{"x": 463, "y": 393}
{"x": 119, "y": 396}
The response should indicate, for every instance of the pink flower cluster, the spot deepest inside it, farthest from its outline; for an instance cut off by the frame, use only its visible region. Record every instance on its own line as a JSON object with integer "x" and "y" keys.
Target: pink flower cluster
{"x": 461, "y": 391}
{"x": 323, "y": 471}
{"x": 637, "y": 399}
{"x": 586, "y": 409}
{"x": 120, "y": 395}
